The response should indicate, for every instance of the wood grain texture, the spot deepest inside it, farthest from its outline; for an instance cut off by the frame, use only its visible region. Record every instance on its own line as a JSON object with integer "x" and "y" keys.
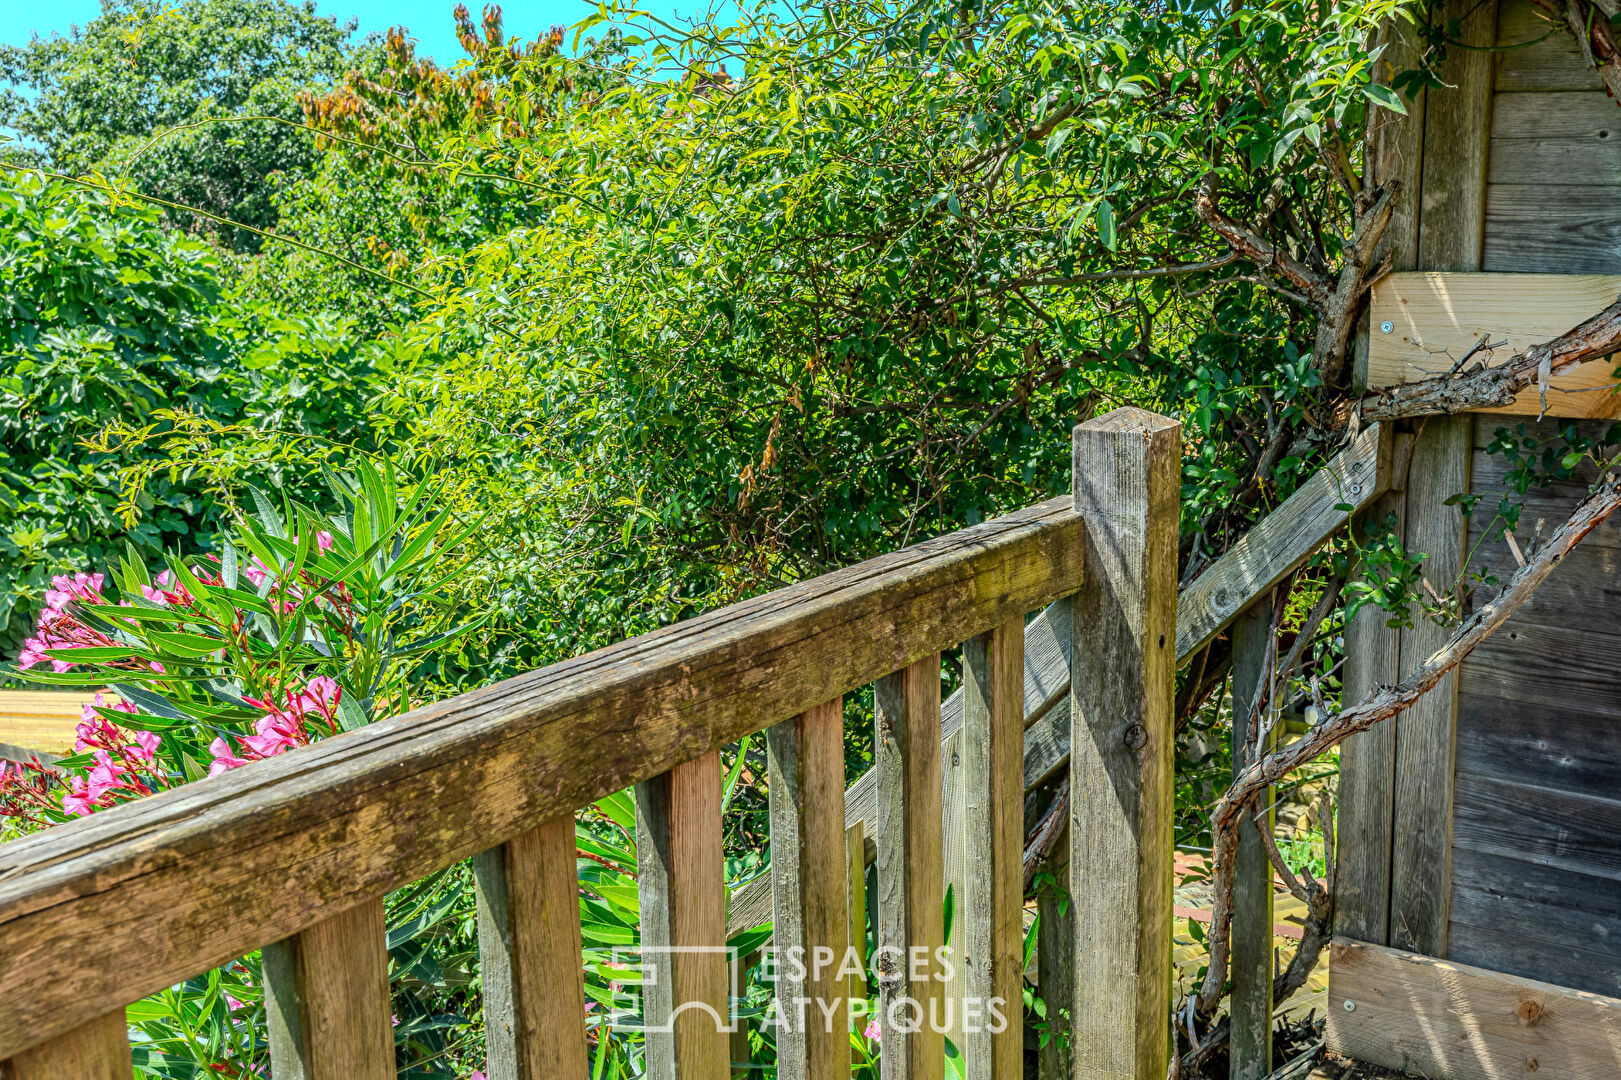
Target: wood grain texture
{"x": 529, "y": 955}
{"x": 1437, "y": 318}
{"x": 327, "y": 999}
{"x": 45, "y": 721}
{"x": 1553, "y": 228}
{"x": 98, "y": 1050}
{"x": 1283, "y": 539}
{"x": 1539, "y": 54}
{"x": 855, "y": 854}
{"x": 1443, "y": 1019}
{"x": 1457, "y": 125}
{"x": 906, "y": 754}
{"x": 1047, "y": 641}
{"x": 809, "y": 864}
{"x": 1421, "y": 846}
{"x": 991, "y": 955}
{"x": 1126, "y": 479}
{"x": 286, "y": 842}
{"x": 1055, "y": 964}
{"x": 682, "y": 886}
{"x": 1572, "y": 136}
{"x": 1368, "y": 764}
{"x": 954, "y": 856}
{"x": 1580, "y": 834}
{"x": 1250, "y": 1005}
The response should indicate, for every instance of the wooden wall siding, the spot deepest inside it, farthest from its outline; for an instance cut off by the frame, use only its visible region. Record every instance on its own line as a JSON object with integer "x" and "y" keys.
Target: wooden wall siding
{"x": 1536, "y": 877}
{"x": 1553, "y": 198}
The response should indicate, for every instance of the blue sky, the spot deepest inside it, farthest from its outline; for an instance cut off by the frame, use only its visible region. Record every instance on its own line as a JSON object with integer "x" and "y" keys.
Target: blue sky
{"x": 428, "y": 20}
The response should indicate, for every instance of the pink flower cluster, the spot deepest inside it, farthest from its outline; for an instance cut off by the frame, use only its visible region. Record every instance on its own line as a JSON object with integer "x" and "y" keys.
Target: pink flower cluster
{"x": 283, "y": 726}
{"x": 290, "y": 594}
{"x": 57, "y": 629}
{"x": 126, "y": 763}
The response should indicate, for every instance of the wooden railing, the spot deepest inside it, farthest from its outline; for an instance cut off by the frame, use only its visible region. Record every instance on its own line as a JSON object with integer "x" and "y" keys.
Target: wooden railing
{"x": 294, "y": 855}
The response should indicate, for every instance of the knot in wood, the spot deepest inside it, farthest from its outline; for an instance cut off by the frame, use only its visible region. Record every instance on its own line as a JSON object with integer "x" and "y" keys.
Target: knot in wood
{"x": 1136, "y": 737}
{"x": 1529, "y": 1012}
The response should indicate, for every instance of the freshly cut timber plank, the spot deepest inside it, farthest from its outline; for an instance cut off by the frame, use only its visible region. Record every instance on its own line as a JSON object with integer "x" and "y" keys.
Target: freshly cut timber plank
{"x": 327, "y": 996}
{"x": 529, "y": 954}
{"x": 42, "y": 721}
{"x": 98, "y": 1050}
{"x": 1436, "y": 318}
{"x": 1442, "y": 1019}
{"x": 1121, "y": 744}
{"x": 286, "y": 842}
{"x": 1283, "y": 539}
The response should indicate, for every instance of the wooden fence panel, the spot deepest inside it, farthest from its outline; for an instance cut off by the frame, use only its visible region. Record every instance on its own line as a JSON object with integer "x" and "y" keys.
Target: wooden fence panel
{"x": 910, "y": 869}
{"x": 808, "y": 869}
{"x": 327, "y": 996}
{"x": 1254, "y": 661}
{"x": 98, "y": 1050}
{"x": 530, "y": 954}
{"x": 682, "y": 886}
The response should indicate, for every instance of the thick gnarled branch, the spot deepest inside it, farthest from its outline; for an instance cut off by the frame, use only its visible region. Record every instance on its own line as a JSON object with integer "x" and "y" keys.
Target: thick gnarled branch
{"x": 1482, "y": 387}
{"x": 1382, "y": 704}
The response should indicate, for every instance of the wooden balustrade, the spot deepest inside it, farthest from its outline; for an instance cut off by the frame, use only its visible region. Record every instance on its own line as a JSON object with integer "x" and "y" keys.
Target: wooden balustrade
{"x": 293, "y": 855}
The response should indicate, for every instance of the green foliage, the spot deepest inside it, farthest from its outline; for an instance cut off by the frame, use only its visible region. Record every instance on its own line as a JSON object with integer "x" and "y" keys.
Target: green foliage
{"x": 110, "y": 319}
{"x": 97, "y": 97}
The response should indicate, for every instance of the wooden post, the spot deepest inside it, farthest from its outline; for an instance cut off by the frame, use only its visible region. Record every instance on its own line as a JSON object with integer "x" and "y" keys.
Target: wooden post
{"x": 98, "y": 1050}
{"x": 1254, "y": 662}
{"x": 808, "y": 868}
{"x": 530, "y": 954}
{"x": 954, "y": 853}
{"x": 910, "y": 870}
{"x": 682, "y": 887}
{"x": 327, "y": 999}
{"x": 990, "y": 956}
{"x": 1126, "y": 480}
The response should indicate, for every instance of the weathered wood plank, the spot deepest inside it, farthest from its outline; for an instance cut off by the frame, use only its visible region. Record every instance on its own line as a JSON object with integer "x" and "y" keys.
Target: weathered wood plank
{"x": 529, "y": 955}
{"x": 1437, "y": 1018}
{"x": 682, "y": 889}
{"x": 98, "y": 1050}
{"x": 1576, "y": 833}
{"x": 1126, "y": 477}
{"x": 1055, "y": 966}
{"x": 327, "y": 998}
{"x": 855, "y": 853}
{"x": 1552, "y": 744}
{"x": 808, "y": 867}
{"x": 954, "y": 857}
{"x": 1553, "y": 228}
{"x": 286, "y": 842}
{"x": 910, "y": 871}
{"x": 1571, "y": 136}
{"x": 1283, "y": 539}
{"x": 991, "y": 955}
{"x": 1421, "y": 844}
{"x": 1368, "y": 763}
{"x": 1437, "y": 318}
{"x": 1046, "y": 747}
{"x": 1457, "y": 123}
{"x": 1540, "y": 54}
{"x": 1250, "y": 1006}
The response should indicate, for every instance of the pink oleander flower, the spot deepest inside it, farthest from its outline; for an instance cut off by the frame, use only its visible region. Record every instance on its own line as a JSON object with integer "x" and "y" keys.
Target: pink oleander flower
{"x": 64, "y": 590}
{"x": 323, "y": 541}
{"x": 233, "y": 1004}
{"x": 873, "y": 1031}
{"x": 57, "y": 629}
{"x": 167, "y": 592}
{"x": 274, "y": 733}
{"x": 477, "y": 1076}
{"x": 145, "y": 748}
{"x": 224, "y": 760}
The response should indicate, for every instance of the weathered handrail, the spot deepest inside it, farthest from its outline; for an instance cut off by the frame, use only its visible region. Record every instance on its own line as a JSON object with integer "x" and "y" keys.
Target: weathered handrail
{"x": 161, "y": 889}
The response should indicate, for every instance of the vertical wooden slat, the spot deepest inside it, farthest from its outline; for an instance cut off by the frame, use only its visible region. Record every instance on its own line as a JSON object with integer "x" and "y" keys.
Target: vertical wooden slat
{"x": 1252, "y": 964}
{"x": 910, "y": 870}
{"x": 989, "y": 912}
{"x": 855, "y": 853}
{"x": 1126, "y": 478}
{"x": 327, "y": 998}
{"x": 741, "y": 1052}
{"x": 954, "y": 853}
{"x": 682, "y": 890}
{"x": 1055, "y": 966}
{"x": 98, "y": 1050}
{"x": 808, "y": 868}
{"x": 530, "y": 955}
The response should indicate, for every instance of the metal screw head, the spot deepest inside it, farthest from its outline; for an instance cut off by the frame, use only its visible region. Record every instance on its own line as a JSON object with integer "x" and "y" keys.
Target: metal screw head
{"x": 1387, "y": 326}
{"x": 1350, "y": 1006}
{"x": 1356, "y": 489}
